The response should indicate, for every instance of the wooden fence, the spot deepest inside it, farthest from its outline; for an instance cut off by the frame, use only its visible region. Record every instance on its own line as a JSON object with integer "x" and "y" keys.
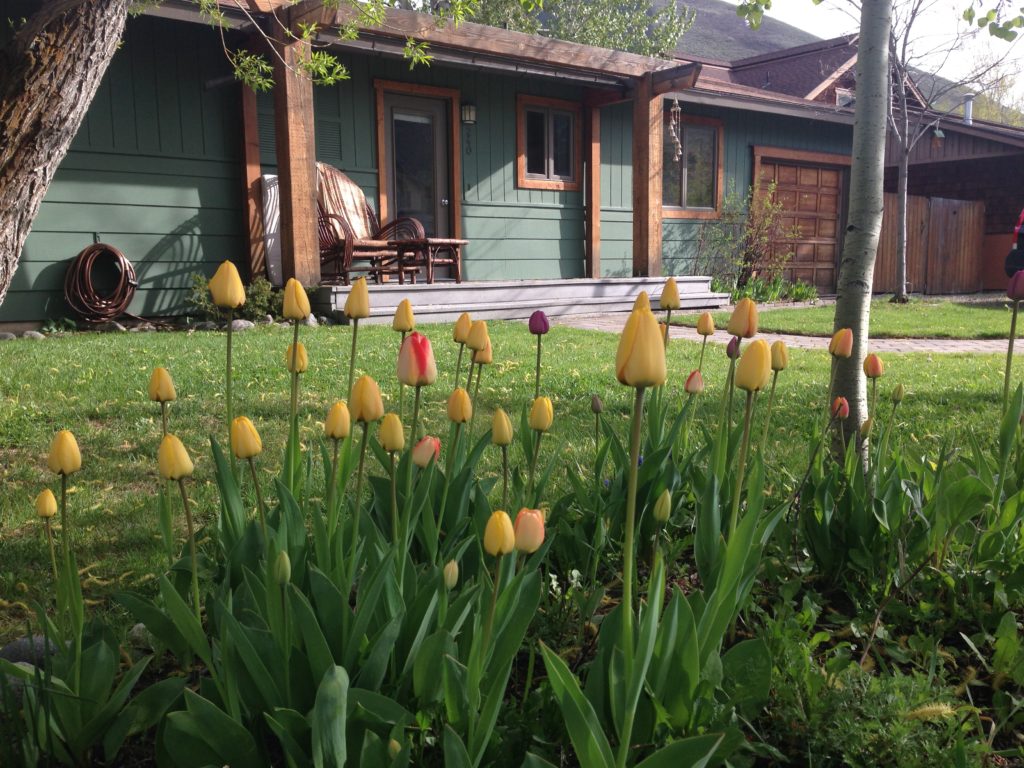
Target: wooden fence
{"x": 944, "y": 245}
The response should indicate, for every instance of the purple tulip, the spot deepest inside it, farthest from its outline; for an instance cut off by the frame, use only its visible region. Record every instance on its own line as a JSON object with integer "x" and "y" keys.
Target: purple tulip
{"x": 1015, "y": 290}
{"x": 733, "y": 348}
{"x": 539, "y": 324}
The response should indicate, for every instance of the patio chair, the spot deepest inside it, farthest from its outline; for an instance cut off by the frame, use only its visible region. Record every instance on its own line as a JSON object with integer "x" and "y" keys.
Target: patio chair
{"x": 351, "y": 237}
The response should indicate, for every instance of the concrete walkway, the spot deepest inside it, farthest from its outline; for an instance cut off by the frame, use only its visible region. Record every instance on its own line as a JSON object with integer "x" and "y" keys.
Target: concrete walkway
{"x": 613, "y": 322}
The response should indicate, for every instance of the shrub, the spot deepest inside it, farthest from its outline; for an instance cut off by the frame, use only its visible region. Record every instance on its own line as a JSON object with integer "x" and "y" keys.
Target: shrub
{"x": 261, "y": 299}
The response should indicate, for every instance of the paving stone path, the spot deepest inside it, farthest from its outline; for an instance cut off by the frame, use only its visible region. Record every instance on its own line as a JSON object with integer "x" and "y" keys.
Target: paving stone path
{"x": 612, "y": 322}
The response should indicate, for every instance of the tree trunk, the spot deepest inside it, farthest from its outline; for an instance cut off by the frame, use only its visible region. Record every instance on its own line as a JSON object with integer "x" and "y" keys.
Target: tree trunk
{"x": 901, "y": 228}
{"x": 49, "y": 75}
{"x": 856, "y": 270}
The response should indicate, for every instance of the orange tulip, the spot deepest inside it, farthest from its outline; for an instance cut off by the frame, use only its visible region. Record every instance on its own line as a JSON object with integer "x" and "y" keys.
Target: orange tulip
{"x": 841, "y": 344}
{"x": 743, "y": 322}
{"x": 873, "y": 367}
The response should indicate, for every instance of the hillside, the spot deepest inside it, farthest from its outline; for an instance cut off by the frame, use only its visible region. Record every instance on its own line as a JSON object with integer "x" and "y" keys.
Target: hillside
{"x": 719, "y": 34}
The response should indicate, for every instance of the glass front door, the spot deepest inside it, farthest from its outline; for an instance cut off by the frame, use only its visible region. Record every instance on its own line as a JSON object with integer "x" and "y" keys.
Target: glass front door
{"x": 417, "y": 160}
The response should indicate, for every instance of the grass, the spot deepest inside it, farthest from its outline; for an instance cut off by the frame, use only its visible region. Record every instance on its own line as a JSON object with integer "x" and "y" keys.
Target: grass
{"x": 919, "y": 319}
{"x": 95, "y": 385}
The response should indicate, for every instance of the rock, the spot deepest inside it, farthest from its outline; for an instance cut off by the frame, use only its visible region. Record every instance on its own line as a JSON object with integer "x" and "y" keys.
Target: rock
{"x": 32, "y": 335}
{"x": 284, "y": 324}
{"x": 140, "y": 637}
{"x": 268, "y": 319}
{"x": 5, "y": 336}
{"x": 242, "y": 325}
{"x": 311, "y": 321}
{"x": 145, "y": 327}
{"x": 112, "y": 327}
{"x": 29, "y": 650}
{"x": 324, "y": 320}
{"x": 206, "y": 325}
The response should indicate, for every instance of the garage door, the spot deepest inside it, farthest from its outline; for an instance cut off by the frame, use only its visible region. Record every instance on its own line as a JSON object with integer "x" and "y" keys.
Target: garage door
{"x": 811, "y": 204}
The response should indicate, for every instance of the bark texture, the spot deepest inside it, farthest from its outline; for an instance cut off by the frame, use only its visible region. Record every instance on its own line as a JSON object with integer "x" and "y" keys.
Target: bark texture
{"x": 856, "y": 270}
{"x": 49, "y": 75}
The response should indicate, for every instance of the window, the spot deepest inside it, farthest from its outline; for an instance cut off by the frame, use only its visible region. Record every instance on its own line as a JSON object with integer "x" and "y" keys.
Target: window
{"x": 548, "y": 143}
{"x": 692, "y": 184}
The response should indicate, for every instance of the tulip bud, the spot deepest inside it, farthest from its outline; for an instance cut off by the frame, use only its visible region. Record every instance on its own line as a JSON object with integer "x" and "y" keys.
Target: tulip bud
{"x": 499, "y": 535}
{"x": 669, "y": 295}
{"x": 663, "y": 507}
{"x": 462, "y": 327}
{"x": 46, "y": 504}
{"x": 694, "y": 383}
{"x": 706, "y": 324}
{"x": 542, "y": 414}
{"x": 296, "y": 302}
{"x": 226, "y": 287}
{"x": 460, "y": 408}
{"x": 596, "y": 404}
{"x": 732, "y": 349}
{"x": 643, "y": 301}
{"x": 841, "y": 344}
{"x": 416, "y": 366}
{"x": 161, "y": 387}
{"x": 64, "y": 458}
{"x": 539, "y": 324}
{"x": 451, "y": 574}
{"x": 366, "y": 403}
{"x": 338, "y": 422}
{"x": 173, "y": 460}
{"x": 744, "y": 319}
{"x": 780, "y": 356}
{"x": 529, "y": 530}
{"x": 755, "y": 367}
{"x": 640, "y": 359}
{"x": 1015, "y": 288}
{"x": 404, "y": 321}
{"x": 501, "y": 428}
{"x": 873, "y": 366}
{"x": 296, "y": 358}
{"x": 865, "y": 428}
{"x": 840, "y": 408}
{"x": 897, "y": 394}
{"x": 282, "y": 568}
{"x": 392, "y": 436}
{"x": 483, "y": 356}
{"x": 426, "y": 450}
{"x": 357, "y": 304}
{"x": 394, "y": 748}
{"x": 245, "y": 440}
{"x": 478, "y": 335}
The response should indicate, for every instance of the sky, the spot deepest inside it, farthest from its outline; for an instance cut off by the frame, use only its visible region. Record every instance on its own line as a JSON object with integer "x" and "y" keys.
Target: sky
{"x": 932, "y": 33}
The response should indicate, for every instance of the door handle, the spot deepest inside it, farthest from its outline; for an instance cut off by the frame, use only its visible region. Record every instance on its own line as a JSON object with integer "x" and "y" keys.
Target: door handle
{"x": 444, "y": 201}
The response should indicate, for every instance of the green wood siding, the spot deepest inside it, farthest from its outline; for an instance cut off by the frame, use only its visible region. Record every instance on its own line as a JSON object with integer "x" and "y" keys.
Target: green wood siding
{"x": 155, "y": 171}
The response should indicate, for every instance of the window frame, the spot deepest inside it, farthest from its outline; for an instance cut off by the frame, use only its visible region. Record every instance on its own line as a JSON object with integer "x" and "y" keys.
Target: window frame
{"x": 682, "y": 212}
{"x": 549, "y": 106}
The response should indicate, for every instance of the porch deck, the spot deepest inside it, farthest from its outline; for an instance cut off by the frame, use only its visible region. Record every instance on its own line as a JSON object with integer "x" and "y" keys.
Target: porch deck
{"x": 518, "y": 299}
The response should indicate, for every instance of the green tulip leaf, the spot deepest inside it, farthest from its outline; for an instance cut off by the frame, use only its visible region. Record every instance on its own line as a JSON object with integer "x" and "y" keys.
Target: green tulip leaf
{"x": 585, "y": 732}
{"x": 329, "y": 716}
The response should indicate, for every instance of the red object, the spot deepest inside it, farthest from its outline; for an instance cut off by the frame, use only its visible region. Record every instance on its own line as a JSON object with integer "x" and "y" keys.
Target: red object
{"x": 840, "y": 408}
{"x": 1015, "y": 288}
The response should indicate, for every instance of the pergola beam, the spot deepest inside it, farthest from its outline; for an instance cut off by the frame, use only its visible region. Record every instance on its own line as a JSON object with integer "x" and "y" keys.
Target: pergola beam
{"x": 647, "y": 167}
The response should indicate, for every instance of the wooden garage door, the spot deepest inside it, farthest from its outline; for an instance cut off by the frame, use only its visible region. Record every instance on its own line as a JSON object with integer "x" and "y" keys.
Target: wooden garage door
{"x": 811, "y": 204}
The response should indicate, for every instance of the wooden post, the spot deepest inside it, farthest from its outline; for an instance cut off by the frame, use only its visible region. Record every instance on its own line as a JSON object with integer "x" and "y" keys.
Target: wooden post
{"x": 647, "y": 162}
{"x": 593, "y": 192}
{"x": 251, "y": 177}
{"x": 296, "y": 163}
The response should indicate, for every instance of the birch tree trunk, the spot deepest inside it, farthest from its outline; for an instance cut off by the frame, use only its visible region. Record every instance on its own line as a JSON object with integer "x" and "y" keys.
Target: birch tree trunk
{"x": 49, "y": 75}
{"x": 901, "y": 227}
{"x": 856, "y": 269}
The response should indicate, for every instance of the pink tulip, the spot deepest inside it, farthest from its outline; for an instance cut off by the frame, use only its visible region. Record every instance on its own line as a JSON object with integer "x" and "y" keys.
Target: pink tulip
{"x": 694, "y": 383}
{"x": 840, "y": 408}
{"x": 416, "y": 367}
{"x": 426, "y": 450}
{"x": 529, "y": 529}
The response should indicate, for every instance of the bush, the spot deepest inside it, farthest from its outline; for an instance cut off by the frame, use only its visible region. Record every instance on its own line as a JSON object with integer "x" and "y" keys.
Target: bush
{"x": 260, "y": 300}
{"x": 777, "y": 289}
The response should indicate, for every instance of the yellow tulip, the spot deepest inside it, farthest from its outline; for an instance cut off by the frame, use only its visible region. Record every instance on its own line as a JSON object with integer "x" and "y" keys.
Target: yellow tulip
{"x": 743, "y": 322}
{"x": 366, "y": 402}
{"x": 338, "y": 422}
{"x": 478, "y": 336}
{"x": 755, "y": 367}
{"x": 780, "y": 356}
{"x": 501, "y": 428}
{"x": 842, "y": 343}
{"x": 669, "y": 295}
{"x": 640, "y": 360}
{"x": 46, "y": 504}
{"x": 462, "y": 327}
{"x": 392, "y": 436}
{"x": 706, "y": 324}
{"x": 226, "y": 287}
{"x": 245, "y": 440}
{"x": 173, "y": 460}
{"x": 64, "y": 458}
{"x": 451, "y": 574}
{"x": 296, "y": 302}
{"x": 357, "y": 305}
{"x": 404, "y": 321}
{"x": 542, "y": 414}
{"x": 643, "y": 301}
{"x": 282, "y": 568}
{"x": 499, "y": 535}
{"x": 663, "y": 506}
{"x": 483, "y": 356}
{"x": 460, "y": 408}
{"x": 299, "y": 362}
{"x": 161, "y": 387}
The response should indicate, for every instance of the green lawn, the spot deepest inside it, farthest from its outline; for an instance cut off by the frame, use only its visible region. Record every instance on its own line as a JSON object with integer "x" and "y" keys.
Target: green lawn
{"x": 921, "y": 318}
{"x": 95, "y": 385}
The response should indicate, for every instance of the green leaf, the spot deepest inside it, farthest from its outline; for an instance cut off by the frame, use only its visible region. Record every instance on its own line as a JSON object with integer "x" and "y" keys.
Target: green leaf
{"x": 588, "y": 739}
{"x": 225, "y": 737}
{"x": 695, "y": 752}
{"x": 145, "y": 711}
{"x": 186, "y": 623}
{"x": 369, "y": 705}
{"x": 330, "y": 714}
{"x": 533, "y": 761}
{"x": 747, "y": 672}
{"x": 428, "y": 669}
{"x": 455, "y": 754}
{"x": 317, "y": 651}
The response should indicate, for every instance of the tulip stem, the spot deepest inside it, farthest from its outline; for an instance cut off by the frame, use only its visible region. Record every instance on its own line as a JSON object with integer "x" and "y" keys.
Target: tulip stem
{"x": 228, "y": 388}
{"x": 874, "y": 399}
{"x": 504, "y": 477}
{"x": 741, "y": 470}
{"x": 668, "y": 324}
{"x": 469, "y": 379}
{"x": 700, "y": 362}
{"x": 448, "y": 470}
{"x": 476, "y": 391}
{"x": 355, "y": 512}
{"x": 494, "y": 601}
{"x": 768, "y": 413}
{"x": 163, "y": 415}
{"x": 412, "y": 438}
{"x": 65, "y": 528}
{"x": 536, "y": 380}
{"x": 726, "y": 407}
{"x": 352, "y": 357}
{"x": 191, "y": 550}
{"x": 394, "y": 500}
{"x": 401, "y": 390}
{"x": 458, "y": 365}
{"x": 295, "y": 378}
{"x": 332, "y": 518}
{"x": 627, "y": 545}
{"x": 1009, "y": 352}
{"x": 53, "y": 552}
{"x": 259, "y": 498}
{"x": 533, "y": 462}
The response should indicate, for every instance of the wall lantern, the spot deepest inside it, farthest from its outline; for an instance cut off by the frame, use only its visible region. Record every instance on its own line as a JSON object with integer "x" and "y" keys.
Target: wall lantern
{"x": 468, "y": 114}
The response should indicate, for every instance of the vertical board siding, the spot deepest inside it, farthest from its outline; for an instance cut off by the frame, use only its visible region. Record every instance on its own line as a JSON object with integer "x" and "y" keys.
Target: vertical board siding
{"x": 155, "y": 171}
{"x": 617, "y": 190}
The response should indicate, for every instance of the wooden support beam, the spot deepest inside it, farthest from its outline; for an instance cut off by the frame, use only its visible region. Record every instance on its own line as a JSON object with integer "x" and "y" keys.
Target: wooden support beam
{"x": 251, "y": 176}
{"x": 647, "y": 162}
{"x": 593, "y": 193}
{"x": 296, "y": 163}
{"x": 675, "y": 78}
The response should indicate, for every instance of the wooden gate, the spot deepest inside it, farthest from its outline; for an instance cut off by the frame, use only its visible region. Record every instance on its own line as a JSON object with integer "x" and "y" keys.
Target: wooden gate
{"x": 944, "y": 239}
